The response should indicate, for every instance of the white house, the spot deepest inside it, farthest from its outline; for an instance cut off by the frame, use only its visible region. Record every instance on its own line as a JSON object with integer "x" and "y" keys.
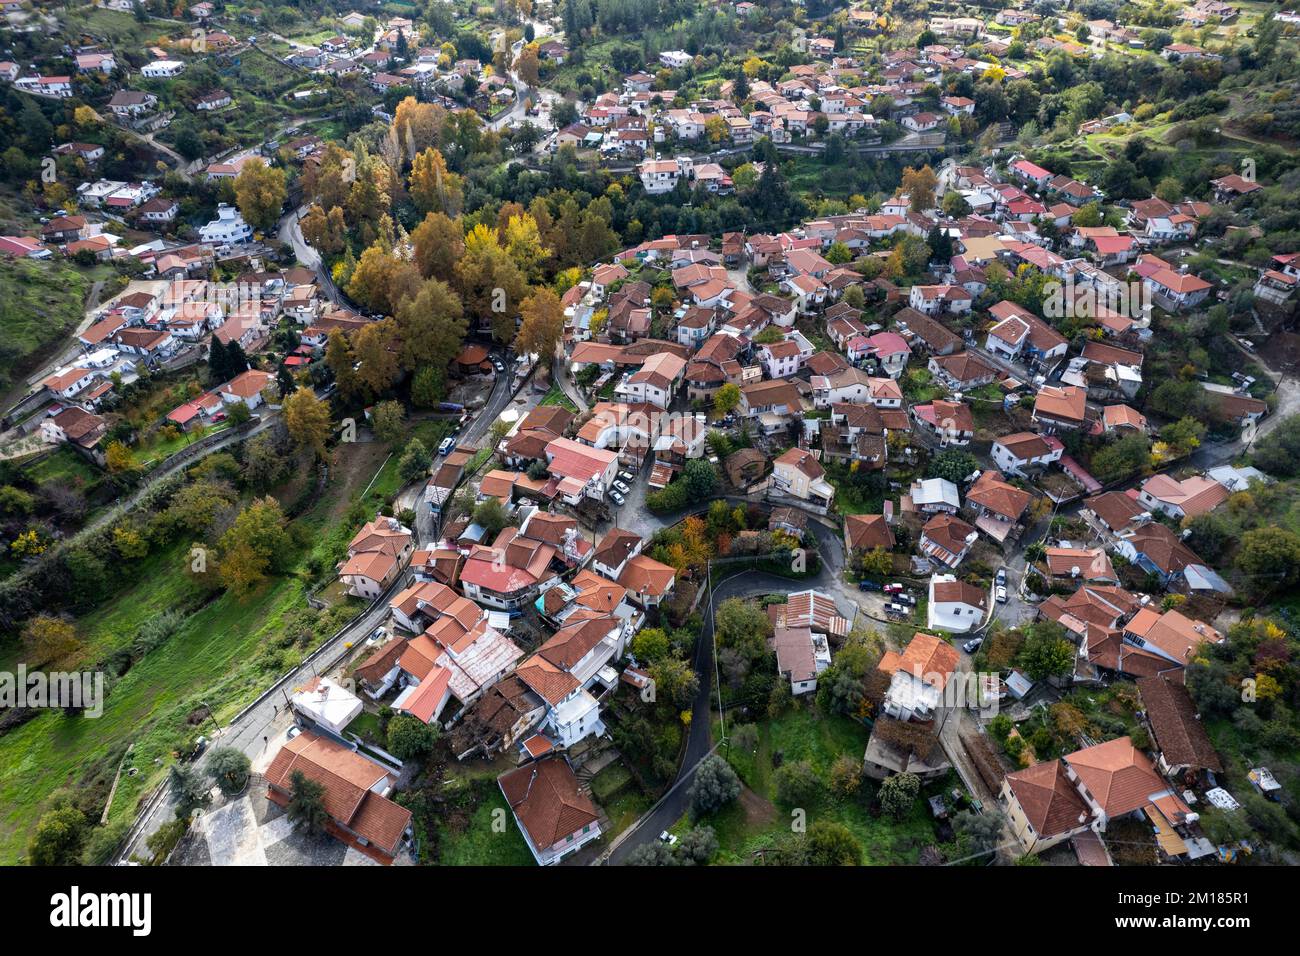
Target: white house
{"x": 675, "y": 59}
{"x": 227, "y": 229}
{"x": 955, "y": 605}
{"x": 161, "y": 69}
{"x": 659, "y": 175}
{"x": 1023, "y": 452}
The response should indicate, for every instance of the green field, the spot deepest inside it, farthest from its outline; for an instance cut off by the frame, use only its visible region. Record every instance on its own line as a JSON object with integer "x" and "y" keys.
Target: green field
{"x": 479, "y": 844}
{"x": 756, "y": 821}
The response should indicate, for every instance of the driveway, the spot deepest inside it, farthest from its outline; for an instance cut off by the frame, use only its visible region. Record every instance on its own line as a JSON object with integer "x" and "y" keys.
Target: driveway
{"x": 699, "y": 741}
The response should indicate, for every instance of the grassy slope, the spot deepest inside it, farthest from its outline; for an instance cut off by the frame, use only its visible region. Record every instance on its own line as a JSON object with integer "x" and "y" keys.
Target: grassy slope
{"x": 221, "y": 656}
{"x": 42, "y": 302}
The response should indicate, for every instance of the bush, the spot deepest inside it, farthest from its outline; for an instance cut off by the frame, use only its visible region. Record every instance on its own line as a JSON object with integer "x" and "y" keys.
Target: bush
{"x": 899, "y": 793}
{"x": 410, "y": 738}
{"x": 797, "y": 784}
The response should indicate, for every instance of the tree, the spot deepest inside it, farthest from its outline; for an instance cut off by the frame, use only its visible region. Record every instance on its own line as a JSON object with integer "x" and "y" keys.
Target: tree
{"x": 675, "y": 681}
{"x": 432, "y": 326}
{"x": 415, "y": 461}
{"x": 118, "y": 458}
{"x": 306, "y": 808}
{"x": 228, "y": 767}
{"x": 715, "y": 786}
{"x": 542, "y": 326}
{"x": 701, "y": 479}
{"x": 439, "y": 242}
{"x": 919, "y": 186}
{"x": 726, "y": 398}
{"x": 307, "y": 420}
{"x": 428, "y": 386}
{"x": 832, "y": 844}
{"x": 491, "y": 516}
{"x": 260, "y": 193}
{"x": 1046, "y": 653}
{"x": 650, "y": 644}
{"x": 490, "y": 282}
{"x": 523, "y": 243}
{"x": 47, "y": 638}
{"x": 382, "y": 279}
{"x": 797, "y": 784}
{"x": 846, "y": 775}
{"x": 188, "y": 786}
{"x": 654, "y": 853}
{"x": 952, "y": 465}
{"x": 527, "y": 64}
{"x": 255, "y": 545}
{"x": 59, "y": 836}
{"x": 433, "y": 187}
{"x": 388, "y": 421}
{"x": 744, "y": 626}
{"x": 410, "y": 738}
{"x": 980, "y": 832}
{"x": 697, "y": 845}
{"x": 1270, "y": 556}
{"x": 898, "y": 794}
{"x": 1122, "y": 458}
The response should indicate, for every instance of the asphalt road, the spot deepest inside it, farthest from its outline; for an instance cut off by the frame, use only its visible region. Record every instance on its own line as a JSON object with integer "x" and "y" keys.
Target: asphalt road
{"x": 699, "y": 741}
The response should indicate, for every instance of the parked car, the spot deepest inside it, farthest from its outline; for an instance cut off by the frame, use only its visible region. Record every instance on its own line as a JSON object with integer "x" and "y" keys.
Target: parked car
{"x": 622, "y": 487}
{"x": 897, "y": 610}
{"x": 865, "y": 585}
{"x": 1001, "y": 577}
{"x": 973, "y": 645}
{"x": 905, "y": 597}
{"x": 894, "y": 588}
{"x": 616, "y": 497}
{"x": 1000, "y": 594}
{"x": 627, "y": 476}
{"x": 668, "y": 838}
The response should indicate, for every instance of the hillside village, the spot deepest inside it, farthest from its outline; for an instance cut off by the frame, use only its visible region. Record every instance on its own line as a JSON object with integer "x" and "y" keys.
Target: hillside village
{"x": 639, "y": 423}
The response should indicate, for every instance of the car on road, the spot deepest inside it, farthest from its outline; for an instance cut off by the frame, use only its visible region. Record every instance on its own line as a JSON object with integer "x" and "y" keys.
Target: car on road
{"x": 615, "y": 497}
{"x": 446, "y": 445}
{"x": 1000, "y": 577}
{"x": 1000, "y": 594}
{"x": 497, "y": 364}
{"x": 973, "y": 645}
{"x": 622, "y": 487}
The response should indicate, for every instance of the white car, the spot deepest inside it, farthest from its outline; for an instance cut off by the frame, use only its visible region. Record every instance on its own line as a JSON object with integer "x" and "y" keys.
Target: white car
{"x": 622, "y": 487}
{"x": 446, "y": 445}
{"x": 669, "y": 838}
{"x": 1000, "y": 595}
{"x": 616, "y": 498}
